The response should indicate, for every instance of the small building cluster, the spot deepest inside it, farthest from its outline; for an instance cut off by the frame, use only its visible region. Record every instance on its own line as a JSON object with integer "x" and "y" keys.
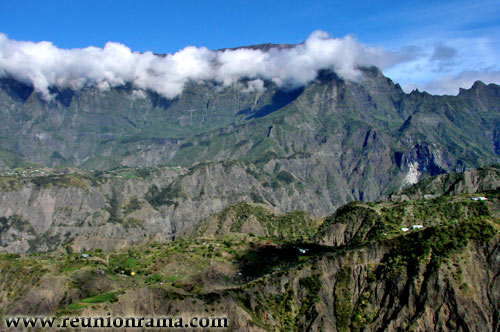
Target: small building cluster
{"x": 413, "y": 227}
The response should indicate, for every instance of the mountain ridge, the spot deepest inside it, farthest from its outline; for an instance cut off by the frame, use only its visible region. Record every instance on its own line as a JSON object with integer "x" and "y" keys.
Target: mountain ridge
{"x": 375, "y": 277}
{"x": 313, "y": 149}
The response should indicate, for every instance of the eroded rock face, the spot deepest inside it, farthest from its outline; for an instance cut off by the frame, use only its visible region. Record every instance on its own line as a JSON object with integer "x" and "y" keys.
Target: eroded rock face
{"x": 469, "y": 181}
{"x": 355, "y": 270}
{"x": 313, "y": 149}
{"x": 89, "y": 214}
{"x": 352, "y": 125}
{"x": 336, "y": 292}
{"x": 114, "y": 211}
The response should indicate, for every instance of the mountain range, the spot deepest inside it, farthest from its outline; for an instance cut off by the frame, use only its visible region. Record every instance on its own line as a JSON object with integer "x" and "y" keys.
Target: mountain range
{"x": 411, "y": 265}
{"x": 339, "y": 205}
{"x": 311, "y": 148}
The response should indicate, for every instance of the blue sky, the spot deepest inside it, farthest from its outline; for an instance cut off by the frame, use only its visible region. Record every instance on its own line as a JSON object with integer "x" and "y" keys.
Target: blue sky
{"x": 450, "y": 42}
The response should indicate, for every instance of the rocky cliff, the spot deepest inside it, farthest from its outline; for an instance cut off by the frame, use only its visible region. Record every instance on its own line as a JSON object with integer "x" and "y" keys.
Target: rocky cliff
{"x": 312, "y": 148}
{"x": 83, "y": 210}
{"x": 88, "y": 210}
{"x": 366, "y": 137}
{"x": 467, "y": 182}
{"x": 376, "y": 277}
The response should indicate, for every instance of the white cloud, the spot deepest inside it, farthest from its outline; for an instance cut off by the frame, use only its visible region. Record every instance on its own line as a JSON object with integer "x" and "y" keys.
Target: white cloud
{"x": 445, "y": 67}
{"x": 450, "y": 84}
{"x": 138, "y": 94}
{"x": 44, "y": 65}
{"x": 428, "y": 65}
{"x": 254, "y": 85}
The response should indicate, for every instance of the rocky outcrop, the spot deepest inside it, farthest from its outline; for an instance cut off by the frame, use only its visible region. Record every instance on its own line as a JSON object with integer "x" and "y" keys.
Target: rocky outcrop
{"x": 257, "y": 220}
{"x": 114, "y": 209}
{"x": 467, "y": 182}
{"x": 313, "y": 149}
{"x": 350, "y": 225}
{"x": 86, "y": 210}
{"x": 443, "y": 277}
{"x": 357, "y": 140}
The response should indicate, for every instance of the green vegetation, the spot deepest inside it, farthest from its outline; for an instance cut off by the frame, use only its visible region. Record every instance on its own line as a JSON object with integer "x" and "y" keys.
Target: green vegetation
{"x": 156, "y": 278}
{"x": 292, "y": 226}
{"x": 282, "y": 307}
{"x": 374, "y": 222}
{"x": 167, "y": 195}
{"x": 285, "y": 177}
{"x": 16, "y": 222}
{"x": 438, "y": 242}
{"x": 343, "y": 299}
{"x": 360, "y": 318}
{"x": 14, "y": 159}
{"x": 67, "y": 180}
{"x": 132, "y": 205}
{"x": 102, "y": 298}
{"x": 18, "y": 275}
{"x": 107, "y": 297}
{"x": 363, "y": 220}
{"x": 114, "y": 208}
{"x": 124, "y": 263}
{"x": 311, "y": 287}
{"x": 9, "y": 183}
{"x": 277, "y": 278}
{"x": 446, "y": 184}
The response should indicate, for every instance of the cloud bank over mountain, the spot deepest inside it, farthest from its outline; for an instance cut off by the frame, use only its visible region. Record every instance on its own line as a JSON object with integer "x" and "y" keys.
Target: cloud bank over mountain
{"x": 44, "y": 65}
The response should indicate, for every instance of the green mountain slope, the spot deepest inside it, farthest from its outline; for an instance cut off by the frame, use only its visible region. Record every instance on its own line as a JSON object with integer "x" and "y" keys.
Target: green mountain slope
{"x": 377, "y": 278}
{"x": 367, "y": 137}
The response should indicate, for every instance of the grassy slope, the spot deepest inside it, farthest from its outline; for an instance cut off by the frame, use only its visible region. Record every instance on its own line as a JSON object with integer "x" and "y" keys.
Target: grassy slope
{"x": 198, "y": 266}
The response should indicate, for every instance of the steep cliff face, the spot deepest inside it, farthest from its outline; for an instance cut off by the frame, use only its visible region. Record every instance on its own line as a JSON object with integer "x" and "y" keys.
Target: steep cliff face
{"x": 366, "y": 137}
{"x": 442, "y": 277}
{"x": 467, "y": 182}
{"x": 344, "y": 293}
{"x": 313, "y": 148}
{"x": 41, "y": 213}
{"x": 89, "y": 210}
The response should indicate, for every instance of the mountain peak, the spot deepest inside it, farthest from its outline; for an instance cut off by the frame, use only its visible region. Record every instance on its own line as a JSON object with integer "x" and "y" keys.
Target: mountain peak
{"x": 262, "y": 47}
{"x": 478, "y": 84}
